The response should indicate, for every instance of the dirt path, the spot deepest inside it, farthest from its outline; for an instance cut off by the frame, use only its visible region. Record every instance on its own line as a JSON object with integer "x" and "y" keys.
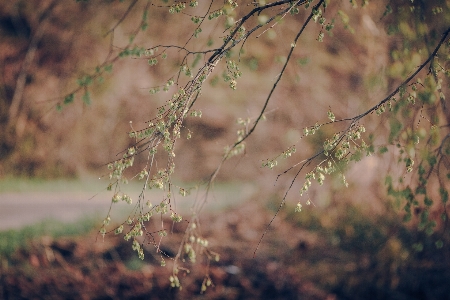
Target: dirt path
{"x": 21, "y": 209}
{"x": 18, "y": 209}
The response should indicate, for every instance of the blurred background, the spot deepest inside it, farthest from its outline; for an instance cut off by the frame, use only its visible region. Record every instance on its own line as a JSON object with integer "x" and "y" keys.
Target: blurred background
{"x": 348, "y": 243}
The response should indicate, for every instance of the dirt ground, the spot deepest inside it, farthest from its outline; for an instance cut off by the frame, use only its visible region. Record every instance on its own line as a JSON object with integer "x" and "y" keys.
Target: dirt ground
{"x": 292, "y": 262}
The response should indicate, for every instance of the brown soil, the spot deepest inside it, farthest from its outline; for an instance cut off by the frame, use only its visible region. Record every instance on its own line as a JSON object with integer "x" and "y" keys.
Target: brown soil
{"x": 291, "y": 263}
{"x": 89, "y": 268}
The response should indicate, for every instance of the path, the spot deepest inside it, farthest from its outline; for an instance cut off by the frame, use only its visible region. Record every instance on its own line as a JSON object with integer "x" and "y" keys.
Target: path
{"x": 18, "y": 209}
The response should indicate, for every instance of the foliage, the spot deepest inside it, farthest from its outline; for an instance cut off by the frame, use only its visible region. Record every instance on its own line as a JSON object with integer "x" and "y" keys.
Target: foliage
{"x": 380, "y": 256}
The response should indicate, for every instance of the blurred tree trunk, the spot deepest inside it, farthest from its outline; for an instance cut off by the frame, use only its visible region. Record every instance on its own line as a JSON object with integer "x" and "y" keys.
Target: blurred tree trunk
{"x": 16, "y": 110}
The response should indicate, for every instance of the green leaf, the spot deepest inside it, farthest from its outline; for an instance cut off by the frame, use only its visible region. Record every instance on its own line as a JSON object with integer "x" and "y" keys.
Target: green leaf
{"x": 145, "y": 15}
{"x": 444, "y": 195}
{"x": 432, "y": 160}
{"x": 108, "y": 68}
{"x": 84, "y": 81}
{"x": 69, "y": 99}
{"x": 418, "y": 247}
{"x": 383, "y": 150}
{"x": 421, "y": 190}
{"x": 125, "y": 53}
{"x": 396, "y": 127}
{"x": 424, "y": 216}
{"x": 387, "y": 11}
{"x": 196, "y": 60}
{"x": 428, "y": 201}
{"x": 303, "y": 61}
{"x": 86, "y": 98}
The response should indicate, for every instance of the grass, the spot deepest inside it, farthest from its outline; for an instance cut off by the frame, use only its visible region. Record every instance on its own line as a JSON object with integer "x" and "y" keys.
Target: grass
{"x": 13, "y": 239}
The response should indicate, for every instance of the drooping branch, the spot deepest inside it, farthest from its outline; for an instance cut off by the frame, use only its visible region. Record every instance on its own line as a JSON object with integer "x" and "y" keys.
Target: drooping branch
{"x": 358, "y": 117}
{"x": 274, "y": 86}
{"x": 354, "y": 120}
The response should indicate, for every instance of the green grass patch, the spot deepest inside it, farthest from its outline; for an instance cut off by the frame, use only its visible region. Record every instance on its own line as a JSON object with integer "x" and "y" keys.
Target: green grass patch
{"x": 13, "y": 239}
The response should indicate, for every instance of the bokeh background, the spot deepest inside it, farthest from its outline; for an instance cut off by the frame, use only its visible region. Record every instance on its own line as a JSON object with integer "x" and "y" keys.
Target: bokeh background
{"x": 350, "y": 243}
